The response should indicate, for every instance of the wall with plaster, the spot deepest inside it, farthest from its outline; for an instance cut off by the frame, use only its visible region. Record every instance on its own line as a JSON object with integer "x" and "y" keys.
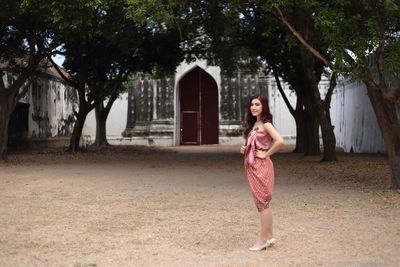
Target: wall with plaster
{"x": 355, "y": 123}
{"x": 116, "y": 121}
{"x": 356, "y": 128}
{"x": 51, "y": 105}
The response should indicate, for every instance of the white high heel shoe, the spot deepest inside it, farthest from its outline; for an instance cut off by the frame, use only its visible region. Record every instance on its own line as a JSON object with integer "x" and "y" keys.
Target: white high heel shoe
{"x": 267, "y": 244}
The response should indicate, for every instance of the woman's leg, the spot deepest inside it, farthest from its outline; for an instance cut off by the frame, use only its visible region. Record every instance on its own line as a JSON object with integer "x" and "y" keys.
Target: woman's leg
{"x": 266, "y": 225}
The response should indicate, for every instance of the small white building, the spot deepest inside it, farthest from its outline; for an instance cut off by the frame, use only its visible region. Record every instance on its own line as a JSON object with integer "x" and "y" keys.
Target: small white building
{"x": 46, "y": 112}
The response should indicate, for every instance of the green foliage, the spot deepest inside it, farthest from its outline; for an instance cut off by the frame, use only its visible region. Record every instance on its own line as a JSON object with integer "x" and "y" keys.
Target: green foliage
{"x": 26, "y": 34}
{"x": 247, "y": 36}
{"x": 355, "y": 30}
{"x": 153, "y": 13}
{"x": 102, "y": 40}
{"x": 105, "y": 41}
{"x": 391, "y": 59}
{"x": 392, "y": 56}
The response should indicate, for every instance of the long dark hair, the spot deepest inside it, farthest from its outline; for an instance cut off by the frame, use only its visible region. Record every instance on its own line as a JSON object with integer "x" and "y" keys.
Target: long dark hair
{"x": 266, "y": 115}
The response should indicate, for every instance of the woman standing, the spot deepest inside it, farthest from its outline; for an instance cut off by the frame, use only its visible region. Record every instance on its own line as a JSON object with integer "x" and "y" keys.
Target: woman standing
{"x": 262, "y": 140}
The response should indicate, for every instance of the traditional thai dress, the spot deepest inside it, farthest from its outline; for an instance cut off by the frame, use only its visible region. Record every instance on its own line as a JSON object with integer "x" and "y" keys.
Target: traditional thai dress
{"x": 259, "y": 172}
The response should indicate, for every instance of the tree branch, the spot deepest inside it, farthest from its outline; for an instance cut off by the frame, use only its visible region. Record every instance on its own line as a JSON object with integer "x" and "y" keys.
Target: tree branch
{"x": 111, "y": 100}
{"x": 93, "y": 105}
{"x": 92, "y": 96}
{"x": 19, "y": 95}
{"x": 176, "y": 22}
{"x": 301, "y": 39}
{"x": 33, "y": 40}
{"x": 2, "y": 85}
{"x": 115, "y": 92}
{"x": 58, "y": 52}
{"x": 28, "y": 72}
{"x": 278, "y": 83}
{"x": 380, "y": 50}
{"x": 332, "y": 85}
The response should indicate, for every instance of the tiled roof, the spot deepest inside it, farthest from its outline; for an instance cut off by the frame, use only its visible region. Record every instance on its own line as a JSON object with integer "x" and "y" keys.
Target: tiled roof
{"x": 50, "y": 69}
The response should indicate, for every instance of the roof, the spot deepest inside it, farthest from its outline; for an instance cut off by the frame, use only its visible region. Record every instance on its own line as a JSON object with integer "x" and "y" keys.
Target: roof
{"x": 51, "y": 70}
{"x": 46, "y": 66}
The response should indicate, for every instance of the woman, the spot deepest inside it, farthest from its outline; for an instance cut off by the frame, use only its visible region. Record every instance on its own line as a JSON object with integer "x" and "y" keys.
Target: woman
{"x": 262, "y": 140}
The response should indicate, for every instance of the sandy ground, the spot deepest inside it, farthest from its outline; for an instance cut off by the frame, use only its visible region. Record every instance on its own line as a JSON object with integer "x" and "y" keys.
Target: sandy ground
{"x": 191, "y": 206}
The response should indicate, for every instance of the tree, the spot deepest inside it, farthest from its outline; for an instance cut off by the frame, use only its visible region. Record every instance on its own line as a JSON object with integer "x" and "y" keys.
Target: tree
{"x": 272, "y": 43}
{"x": 302, "y": 16}
{"x": 244, "y": 33}
{"x": 363, "y": 39}
{"x": 114, "y": 88}
{"x": 26, "y": 40}
{"x": 111, "y": 40}
{"x": 78, "y": 32}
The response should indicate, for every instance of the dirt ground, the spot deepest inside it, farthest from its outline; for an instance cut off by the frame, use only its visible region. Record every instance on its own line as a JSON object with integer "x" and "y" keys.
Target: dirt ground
{"x": 191, "y": 206}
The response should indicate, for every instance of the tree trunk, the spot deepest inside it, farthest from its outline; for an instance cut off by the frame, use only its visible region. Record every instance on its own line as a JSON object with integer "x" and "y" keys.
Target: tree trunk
{"x": 328, "y": 136}
{"x": 4, "y": 120}
{"x": 6, "y": 108}
{"x": 78, "y": 127}
{"x": 387, "y": 115}
{"x": 329, "y": 140}
{"x": 301, "y": 132}
{"x": 307, "y": 132}
{"x": 9, "y": 98}
{"x": 101, "y": 118}
{"x": 85, "y": 106}
{"x": 309, "y": 38}
{"x": 298, "y": 115}
{"x": 312, "y": 132}
{"x": 101, "y": 121}
{"x": 307, "y": 136}
{"x": 317, "y": 106}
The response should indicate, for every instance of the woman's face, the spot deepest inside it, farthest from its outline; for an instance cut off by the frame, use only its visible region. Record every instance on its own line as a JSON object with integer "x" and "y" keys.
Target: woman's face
{"x": 255, "y": 107}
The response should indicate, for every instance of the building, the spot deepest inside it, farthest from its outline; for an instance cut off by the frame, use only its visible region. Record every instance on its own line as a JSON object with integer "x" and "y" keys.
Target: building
{"x": 46, "y": 113}
{"x": 153, "y": 111}
{"x": 198, "y": 106}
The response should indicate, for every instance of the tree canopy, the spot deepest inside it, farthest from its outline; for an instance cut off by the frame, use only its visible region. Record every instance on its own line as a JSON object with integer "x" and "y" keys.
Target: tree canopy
{"x": 363, "y": 39}
{"x": 104, "y": 40}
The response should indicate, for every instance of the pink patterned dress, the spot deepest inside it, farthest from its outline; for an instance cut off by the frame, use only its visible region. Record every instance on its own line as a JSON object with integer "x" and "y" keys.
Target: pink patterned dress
{"x": 259, "y": 172}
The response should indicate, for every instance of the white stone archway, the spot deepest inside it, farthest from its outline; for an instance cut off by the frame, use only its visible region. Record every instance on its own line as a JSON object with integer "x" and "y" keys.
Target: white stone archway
{"x": 181, "y": 71}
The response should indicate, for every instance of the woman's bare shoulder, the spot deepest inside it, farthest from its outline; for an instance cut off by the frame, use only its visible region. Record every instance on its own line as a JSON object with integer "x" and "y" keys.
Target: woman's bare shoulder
{"x": 268, "y": 125}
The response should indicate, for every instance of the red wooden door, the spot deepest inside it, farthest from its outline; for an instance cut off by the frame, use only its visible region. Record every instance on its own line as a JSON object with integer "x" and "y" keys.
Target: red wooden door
{"x": 199, "y": 108}
{"x": 190, "y": 128}
{"x": 209, "y": 109}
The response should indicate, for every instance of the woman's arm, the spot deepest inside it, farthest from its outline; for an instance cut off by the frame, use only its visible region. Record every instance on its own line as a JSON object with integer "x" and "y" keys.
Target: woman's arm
{"x": 276, "y": 144}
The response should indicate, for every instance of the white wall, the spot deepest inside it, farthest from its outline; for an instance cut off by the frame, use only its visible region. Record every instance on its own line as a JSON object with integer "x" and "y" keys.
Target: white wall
{"x": 281, "y": 117}
{"x": 351, "y": 113}
{"x": 51, "y": 107}
{"x": 355, "y": 122}
{"x": 116, "y": 121}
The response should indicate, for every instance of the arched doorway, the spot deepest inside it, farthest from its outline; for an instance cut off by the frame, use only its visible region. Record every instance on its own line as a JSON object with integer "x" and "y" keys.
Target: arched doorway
{"x": 198, "y": 97}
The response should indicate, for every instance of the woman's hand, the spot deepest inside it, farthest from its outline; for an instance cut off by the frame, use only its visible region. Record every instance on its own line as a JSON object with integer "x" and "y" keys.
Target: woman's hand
{"x": 260, "y": 154}
{"x": 242, "y": 149}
